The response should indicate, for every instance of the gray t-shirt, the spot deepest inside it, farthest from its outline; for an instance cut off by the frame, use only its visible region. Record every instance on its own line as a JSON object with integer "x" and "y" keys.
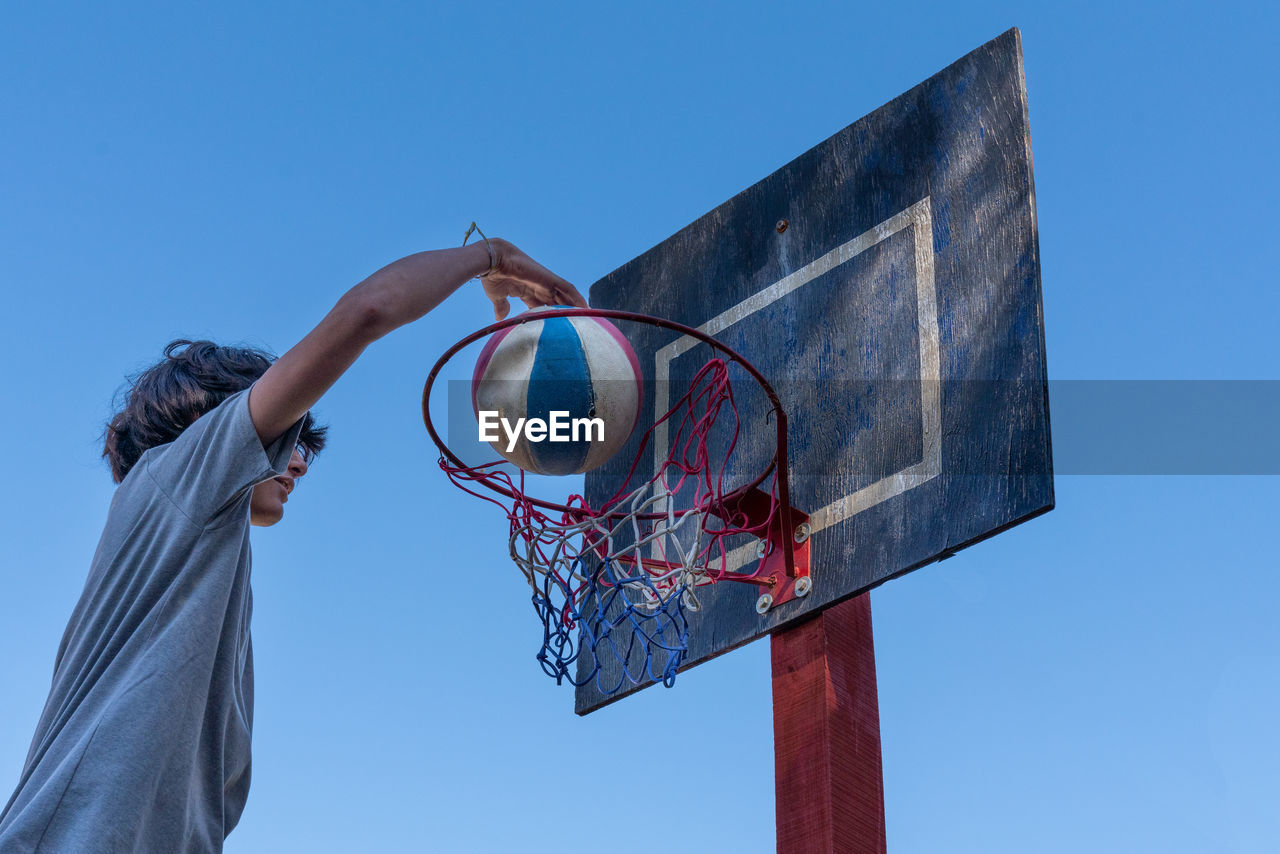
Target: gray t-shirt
{"x": 143, "y": 745}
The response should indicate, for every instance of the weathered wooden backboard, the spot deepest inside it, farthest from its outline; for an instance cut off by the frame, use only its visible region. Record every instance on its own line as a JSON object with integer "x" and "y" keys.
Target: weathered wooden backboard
{"x": 898, "y": 314}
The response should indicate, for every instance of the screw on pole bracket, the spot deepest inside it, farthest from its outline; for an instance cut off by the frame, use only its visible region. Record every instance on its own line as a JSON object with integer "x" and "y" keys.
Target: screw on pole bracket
{"x": 763, "y": 604}
{"x": 802, "y": 532}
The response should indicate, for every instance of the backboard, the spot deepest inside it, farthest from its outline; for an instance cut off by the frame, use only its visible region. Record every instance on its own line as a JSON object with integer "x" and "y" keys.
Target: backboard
{"x": 887, "y": 282}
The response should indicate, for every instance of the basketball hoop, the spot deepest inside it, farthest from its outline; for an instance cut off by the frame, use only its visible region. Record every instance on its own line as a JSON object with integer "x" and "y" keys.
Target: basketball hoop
{"x": 616, "y": 581}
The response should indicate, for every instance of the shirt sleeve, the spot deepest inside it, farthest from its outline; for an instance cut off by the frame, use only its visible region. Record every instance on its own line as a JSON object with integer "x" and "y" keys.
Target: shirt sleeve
{"x": 218, "y": 459}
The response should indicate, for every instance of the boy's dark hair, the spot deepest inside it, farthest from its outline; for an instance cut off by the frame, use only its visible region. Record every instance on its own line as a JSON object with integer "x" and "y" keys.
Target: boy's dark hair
{"x": 192, "y": 379}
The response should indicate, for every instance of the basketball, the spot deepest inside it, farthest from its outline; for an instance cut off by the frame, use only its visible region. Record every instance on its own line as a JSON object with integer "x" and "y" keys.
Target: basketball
{"x": 557, "y": 396}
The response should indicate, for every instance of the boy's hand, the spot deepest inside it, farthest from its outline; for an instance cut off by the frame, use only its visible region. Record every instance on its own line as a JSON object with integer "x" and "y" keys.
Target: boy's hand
{"x": 515, "y": 274}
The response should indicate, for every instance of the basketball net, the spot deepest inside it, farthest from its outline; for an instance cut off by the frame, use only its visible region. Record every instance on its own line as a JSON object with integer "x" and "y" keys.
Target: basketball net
{"x": 612, "y": 585}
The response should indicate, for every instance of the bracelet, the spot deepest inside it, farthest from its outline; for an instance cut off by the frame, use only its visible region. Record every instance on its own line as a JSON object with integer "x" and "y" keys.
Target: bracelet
{"x": 493, "y": 256}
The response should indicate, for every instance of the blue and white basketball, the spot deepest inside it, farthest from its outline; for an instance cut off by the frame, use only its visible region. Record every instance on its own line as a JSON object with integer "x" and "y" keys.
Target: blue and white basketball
{"x": 557, "y": 396}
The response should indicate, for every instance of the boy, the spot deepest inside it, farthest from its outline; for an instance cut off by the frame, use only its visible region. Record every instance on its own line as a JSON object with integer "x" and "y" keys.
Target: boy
{"x": 143, "y": 744}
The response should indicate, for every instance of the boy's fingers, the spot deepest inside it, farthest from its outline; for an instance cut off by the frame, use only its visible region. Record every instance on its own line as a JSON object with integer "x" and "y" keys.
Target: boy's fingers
{"x": 567, "y": 293}
{"x": 556, "y": 290}
{"x": 560, "y": 292}
{"x": 543, "y": 293}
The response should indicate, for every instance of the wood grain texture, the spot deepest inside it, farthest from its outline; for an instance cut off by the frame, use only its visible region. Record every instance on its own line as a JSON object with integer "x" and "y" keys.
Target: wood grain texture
{"x": 899, "y": 318}
{"x": 826, "y": 732}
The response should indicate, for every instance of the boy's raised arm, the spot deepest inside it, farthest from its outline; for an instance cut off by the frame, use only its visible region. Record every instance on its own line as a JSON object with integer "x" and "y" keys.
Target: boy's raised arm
{"x": 399, "y": 293}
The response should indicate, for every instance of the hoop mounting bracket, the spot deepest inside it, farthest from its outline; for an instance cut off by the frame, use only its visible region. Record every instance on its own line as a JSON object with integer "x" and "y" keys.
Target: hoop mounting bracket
{"x": 784, "y": 548}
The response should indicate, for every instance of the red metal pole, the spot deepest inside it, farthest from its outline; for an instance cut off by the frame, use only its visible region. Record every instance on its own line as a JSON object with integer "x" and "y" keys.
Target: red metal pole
{"x": 826, "y": 734}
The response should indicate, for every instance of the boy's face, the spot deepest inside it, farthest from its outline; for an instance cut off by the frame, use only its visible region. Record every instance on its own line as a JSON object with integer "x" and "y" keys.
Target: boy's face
{"x": 269, "y": 497}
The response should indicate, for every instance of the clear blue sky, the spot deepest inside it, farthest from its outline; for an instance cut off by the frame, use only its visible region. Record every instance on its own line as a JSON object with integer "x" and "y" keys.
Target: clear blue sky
{"x": 1102, "y": 678}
